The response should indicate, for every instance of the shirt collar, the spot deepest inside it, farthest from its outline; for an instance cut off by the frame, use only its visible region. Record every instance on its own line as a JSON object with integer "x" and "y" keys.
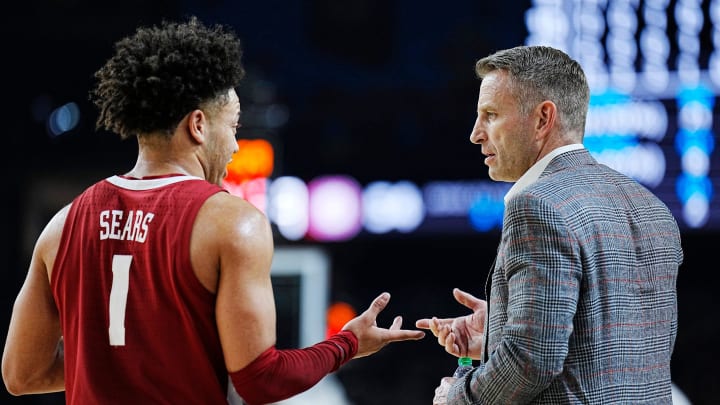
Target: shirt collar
{"x": 536, "y": 170}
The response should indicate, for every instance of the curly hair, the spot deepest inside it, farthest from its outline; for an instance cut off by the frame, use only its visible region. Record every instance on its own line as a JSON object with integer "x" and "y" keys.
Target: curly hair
{"x": 161, "y": 73}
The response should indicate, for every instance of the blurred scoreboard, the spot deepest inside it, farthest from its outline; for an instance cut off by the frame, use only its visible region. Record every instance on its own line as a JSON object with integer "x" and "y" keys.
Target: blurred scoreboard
{"x": 654, "y": 73}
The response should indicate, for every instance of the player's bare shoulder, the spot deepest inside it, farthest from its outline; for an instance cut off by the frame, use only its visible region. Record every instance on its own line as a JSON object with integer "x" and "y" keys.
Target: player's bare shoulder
{"x": 47, "y": 244}
{"x": 234, "y": 219}
{"x": 224, "y": 209}
{"x": 228, "y": 233}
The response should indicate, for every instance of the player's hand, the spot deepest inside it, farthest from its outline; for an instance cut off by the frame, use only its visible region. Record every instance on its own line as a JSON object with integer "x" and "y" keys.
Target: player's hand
{"x": 372, "y": 338}
{"x": 461, "y": 336}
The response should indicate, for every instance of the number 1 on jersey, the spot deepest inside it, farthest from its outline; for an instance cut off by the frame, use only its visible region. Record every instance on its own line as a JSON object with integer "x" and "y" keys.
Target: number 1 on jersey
{"x": 118, "y": 298}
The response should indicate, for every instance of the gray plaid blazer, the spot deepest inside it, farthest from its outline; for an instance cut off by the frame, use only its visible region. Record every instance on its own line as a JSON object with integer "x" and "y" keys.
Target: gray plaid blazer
{"x": 583, "y": 305}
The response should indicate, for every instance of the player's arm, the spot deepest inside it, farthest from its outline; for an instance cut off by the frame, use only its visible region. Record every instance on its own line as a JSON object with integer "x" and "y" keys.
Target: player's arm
{"x": 240, "y": 237}
{"x": 245, "y": 308}
{"x": 246, "y": 315}
{"x": 33, "y": 356}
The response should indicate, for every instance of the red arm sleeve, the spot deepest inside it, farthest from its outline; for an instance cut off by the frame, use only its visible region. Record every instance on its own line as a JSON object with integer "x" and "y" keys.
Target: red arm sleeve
{"x": 279, "y": 374}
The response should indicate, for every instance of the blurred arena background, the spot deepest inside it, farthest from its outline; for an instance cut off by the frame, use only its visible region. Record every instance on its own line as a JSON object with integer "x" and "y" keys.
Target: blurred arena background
{"x": 356, "y": 118}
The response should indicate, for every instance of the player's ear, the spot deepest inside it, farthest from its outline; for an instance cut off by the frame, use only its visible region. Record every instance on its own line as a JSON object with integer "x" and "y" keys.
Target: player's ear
{"x": 197, "y": 125}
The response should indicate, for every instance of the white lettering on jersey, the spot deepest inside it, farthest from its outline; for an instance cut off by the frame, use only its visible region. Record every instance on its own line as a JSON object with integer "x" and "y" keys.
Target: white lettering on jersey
{"x": 122, "y": 225}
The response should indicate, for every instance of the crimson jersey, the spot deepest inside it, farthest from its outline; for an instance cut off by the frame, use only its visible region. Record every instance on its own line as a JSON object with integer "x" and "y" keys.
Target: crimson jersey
{"x": 138, "y": 326}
